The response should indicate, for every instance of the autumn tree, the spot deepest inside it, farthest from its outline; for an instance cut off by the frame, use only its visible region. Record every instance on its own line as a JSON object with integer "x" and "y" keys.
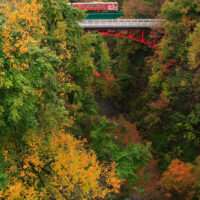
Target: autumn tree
{"x": 181, "y": 180}
{"x": 54, "y": 165}
{"x": 47, "y": 80}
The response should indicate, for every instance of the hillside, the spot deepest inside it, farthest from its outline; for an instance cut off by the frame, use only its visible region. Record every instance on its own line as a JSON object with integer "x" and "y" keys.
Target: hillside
{"x": 92, "y": 117}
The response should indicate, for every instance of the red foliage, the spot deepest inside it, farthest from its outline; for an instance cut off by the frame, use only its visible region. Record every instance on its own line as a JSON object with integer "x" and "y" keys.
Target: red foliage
{"x": 96, "y": 73}
{"x": 165, "y": 68}
{"x": 160, "y": 58}
{"x": 109, "y": 77}
{"x": 172, "y": 61}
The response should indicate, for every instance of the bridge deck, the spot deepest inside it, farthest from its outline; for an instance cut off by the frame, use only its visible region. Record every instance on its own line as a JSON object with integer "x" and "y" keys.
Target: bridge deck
{"x": 120, "y": 23}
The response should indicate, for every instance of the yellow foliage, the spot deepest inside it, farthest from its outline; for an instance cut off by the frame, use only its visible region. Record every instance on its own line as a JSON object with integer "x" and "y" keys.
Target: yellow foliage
{"x": 194, "y": 50}
{"x": 57, "y": 165}
{"x": 23, "y": 23}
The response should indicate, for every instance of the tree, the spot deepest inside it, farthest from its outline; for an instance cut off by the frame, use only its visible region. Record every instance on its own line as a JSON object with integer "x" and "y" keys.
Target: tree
{"x": 129, "y": 157}
{"x": 142, "y": 8}
{"x": 80, "y": 54}
{"x": 54, "y": 165}
{"x": 28, "y": 83}
{"x": 173, "y": 90}
{"x": 47, "y": 79}
{"x": 194, "y": 51}
{"x": 181, "y": 180}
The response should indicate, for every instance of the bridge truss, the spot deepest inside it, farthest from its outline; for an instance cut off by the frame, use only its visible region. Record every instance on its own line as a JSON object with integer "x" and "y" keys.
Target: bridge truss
{"x": 134, "y": 29}
{"x": 141, "y": 35}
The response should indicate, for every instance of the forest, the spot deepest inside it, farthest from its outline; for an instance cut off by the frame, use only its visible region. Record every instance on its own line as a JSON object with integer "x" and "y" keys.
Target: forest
{"x": 91, "y": 117}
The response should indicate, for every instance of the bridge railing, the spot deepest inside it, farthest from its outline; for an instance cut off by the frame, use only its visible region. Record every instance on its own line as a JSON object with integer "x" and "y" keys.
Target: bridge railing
{"x": 123, "y": 20}
{"x": 120, "y": 23}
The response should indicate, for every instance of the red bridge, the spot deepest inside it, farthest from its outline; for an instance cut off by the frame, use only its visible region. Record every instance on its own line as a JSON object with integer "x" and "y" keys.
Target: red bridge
{"x": 134, "y": 29}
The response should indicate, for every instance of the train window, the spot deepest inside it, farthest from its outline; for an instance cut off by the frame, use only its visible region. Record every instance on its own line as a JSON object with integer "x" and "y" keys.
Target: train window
{"x": 99, "y": 6}
{"x": 88, "y": 6}
{"x": 103, "y": 6}
{"x": 95, "y": 6}
{"x": 82, "y": 6}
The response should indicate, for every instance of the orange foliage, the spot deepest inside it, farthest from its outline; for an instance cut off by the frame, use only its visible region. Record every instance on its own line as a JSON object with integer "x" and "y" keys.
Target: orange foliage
{"x": 181, "y": 180}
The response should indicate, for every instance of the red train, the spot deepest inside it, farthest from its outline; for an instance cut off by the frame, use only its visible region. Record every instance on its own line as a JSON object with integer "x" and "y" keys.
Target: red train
{"x": 96, "y": 6}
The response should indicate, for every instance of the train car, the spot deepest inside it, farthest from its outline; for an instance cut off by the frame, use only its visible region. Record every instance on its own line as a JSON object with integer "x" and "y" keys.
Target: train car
{"x": 96, "y": 6}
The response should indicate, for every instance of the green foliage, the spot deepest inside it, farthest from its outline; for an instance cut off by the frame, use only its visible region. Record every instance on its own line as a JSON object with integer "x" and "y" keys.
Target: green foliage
{"x": 182, "y": 17}
{"x": 21, "y": 91}
{"x": 3, "y": 175}
{"x": 59, "y": 88}
{"x": 66, "y": 39}
{"x": 164, "y": 103}
{"x": 129, "y": 158}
